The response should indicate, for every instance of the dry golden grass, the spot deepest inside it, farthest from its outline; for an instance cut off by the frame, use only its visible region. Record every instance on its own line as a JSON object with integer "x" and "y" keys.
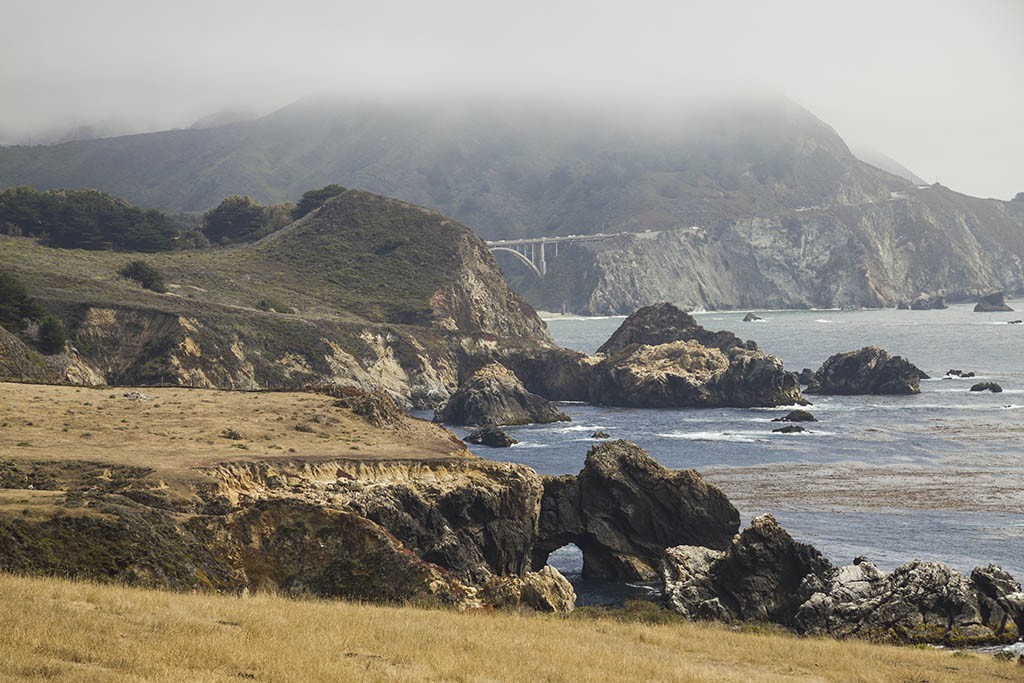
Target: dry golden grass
{"x": 58, "y": 630}
{"x": 182, "y": 428}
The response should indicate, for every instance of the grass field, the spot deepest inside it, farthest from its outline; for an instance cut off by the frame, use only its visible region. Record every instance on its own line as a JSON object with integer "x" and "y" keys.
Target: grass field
{"x": 59, "y": 630}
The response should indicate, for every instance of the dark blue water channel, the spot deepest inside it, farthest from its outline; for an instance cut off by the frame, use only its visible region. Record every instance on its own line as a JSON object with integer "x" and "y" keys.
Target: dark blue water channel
{"x": 937, "y": 476}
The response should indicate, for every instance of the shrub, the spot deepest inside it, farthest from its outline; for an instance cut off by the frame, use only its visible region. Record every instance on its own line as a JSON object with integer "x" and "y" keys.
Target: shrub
{"x": 237, "y": 218}
{"x": 52, "y": 337}
{"x": 145, "y": 274}
{"x": 314, "y": 199}
{"x": 270, "y": 304}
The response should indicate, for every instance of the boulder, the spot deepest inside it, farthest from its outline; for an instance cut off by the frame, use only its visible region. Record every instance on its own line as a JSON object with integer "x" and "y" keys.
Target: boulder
{"x": 987, "y": 386}
{"x": 663, "y": 323}
{"x": 958, "y": 373}
{"x": 545, "y": 590}
{"x": 789, "y": 429}
{"x": 939, "y": 303}
{"x": 750, "y": 317}
{"x": 870, "y": 370}
{"x": 490, "y": 435}
{"x": 921, "y": 303}
{"x": 494, "y": 395}
{"x": 805, "y": 376}
{"x": 764, "y": 576}
{"x": 624, "y": 509}
{"x": 992, "y": 303}
{"x": 600, "y": 435}
{"x": 688, "y": 374}
{"x": 797, "y": 416}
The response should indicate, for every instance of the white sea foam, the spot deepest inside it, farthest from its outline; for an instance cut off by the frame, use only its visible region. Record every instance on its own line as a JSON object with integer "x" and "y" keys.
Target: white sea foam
{"x": 735, "y": 436}
{"x": 581, "y": 428}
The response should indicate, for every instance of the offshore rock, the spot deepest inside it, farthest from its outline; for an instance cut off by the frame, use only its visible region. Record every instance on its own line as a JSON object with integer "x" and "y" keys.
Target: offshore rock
{"x": 689, "y": 374}
{"x": 663, "y": 323}
{"x": 490, "y": 435}
{"x": 805, "y": 376}
{"x": 992, "y": 303}
{"x": 870, "y": 370}
{"x": 797, "y": 416}
{"x": 623, "y": 509}
{"x": 750, "y": 317}
{"x": 494, "y": 395}
{"x": 921, "y": 303}
{"x": 764, "y": 575}
{"x": 789, "y": 429}
{"x": 987, "y": 386}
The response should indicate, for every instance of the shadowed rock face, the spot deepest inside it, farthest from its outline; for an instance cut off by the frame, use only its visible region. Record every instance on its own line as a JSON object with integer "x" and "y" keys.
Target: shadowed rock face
{"x": 870, "y": 370}
{"x": 663, "y": 323}
{"x": 765, "y": 575}
{"x": 623, "y": 509}
{"x": 493, "y": 395}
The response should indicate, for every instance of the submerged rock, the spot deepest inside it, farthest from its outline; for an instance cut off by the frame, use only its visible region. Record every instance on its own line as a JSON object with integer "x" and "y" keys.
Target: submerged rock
{"x": 490, "y": 435}
{"x": 600, "y": 435}
{"x": 992, "y": 303}
{"x": 623, "y": 509}
{"x": 789, "y": 429}
{"x": 494, "y": 395}
{"x": 870, "y": 370}
{"x": 987, "y": 386}
{"x": 797, "y": 416}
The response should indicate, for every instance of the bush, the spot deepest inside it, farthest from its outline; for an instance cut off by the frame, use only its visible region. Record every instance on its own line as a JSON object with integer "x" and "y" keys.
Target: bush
{"x": 52, "y": 337}
{"x": 274, "y": 305}
{"x": 237, "y": 218}
{"x": 314, "y": 199}
{"x": 145, "y": 274}
{"x": 16, "y": 307}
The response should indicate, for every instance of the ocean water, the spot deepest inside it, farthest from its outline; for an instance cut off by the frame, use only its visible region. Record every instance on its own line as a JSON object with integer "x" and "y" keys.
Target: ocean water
{"x": 936, "y": 476}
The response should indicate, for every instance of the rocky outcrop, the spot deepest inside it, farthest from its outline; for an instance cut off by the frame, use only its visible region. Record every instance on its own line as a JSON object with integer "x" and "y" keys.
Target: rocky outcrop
{"x": 494, "y": 395}
{"x": 750, "y": 317}
{"x": 992, "y": 303}
{"x": 490, "y": 435}
{"x": 664, "y": 323}
{"x": 763, "y": 575}
{"x": 789, "y": 429}
{"x": 924, "y": 302}
{"x": 687, "y": 374}
{"x": 766, "y": 576}
{"x": 623, "y": 509}
{"x": 870, "y": 370}
{"x": 545, "y": 590}
{"x": 987, "y": 386}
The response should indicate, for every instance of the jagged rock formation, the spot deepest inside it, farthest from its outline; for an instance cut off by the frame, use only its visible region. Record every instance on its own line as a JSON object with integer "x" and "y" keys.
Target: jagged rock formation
{"x": 993, "y": 387}
{"x": 870, "y": 370}
{"x": 663, "y": 323}
{"x": 796, "y": 416}
{"x": 766, "y": 576}
{"x": 494, "y": 395}
{"x": 992, "y": 303}
{"x": 623, "y": 509}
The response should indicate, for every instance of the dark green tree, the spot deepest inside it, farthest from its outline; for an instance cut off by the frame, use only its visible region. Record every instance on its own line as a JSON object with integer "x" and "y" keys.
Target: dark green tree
{"x": 16, "y": 307}
{"x": 235, "y": 219}
{"x": 52, "y": 337}
{"x": 314, "y": 199}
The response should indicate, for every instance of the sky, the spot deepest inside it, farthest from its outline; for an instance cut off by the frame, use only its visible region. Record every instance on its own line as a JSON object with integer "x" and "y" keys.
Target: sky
{"x": 937, "y": 85}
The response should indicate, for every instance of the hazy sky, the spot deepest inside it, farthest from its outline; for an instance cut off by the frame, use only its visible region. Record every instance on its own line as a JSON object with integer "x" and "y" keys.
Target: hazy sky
{"x": 937, "y": 85}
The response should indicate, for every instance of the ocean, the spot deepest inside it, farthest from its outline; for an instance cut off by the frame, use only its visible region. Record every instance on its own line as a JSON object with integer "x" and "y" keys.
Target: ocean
{"x": 936, "y": 476}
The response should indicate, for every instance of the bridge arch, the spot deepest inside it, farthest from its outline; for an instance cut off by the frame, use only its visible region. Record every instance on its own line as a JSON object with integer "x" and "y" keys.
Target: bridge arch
{"x": 530, "y": 264}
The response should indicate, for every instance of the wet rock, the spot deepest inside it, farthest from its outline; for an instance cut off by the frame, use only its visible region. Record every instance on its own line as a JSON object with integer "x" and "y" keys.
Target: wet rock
{"x": 600, "y": 435}
{"x": 987, "y": 386}
{"x": 797, "y": 416}
{"x": 494, "y": 395}
{"x": 805, "y": 376}
{"x": 764, "y": 575}
{"x": 1015, "y": 322}
{"x": 491, "y": 435}
{"x": 903, "y": 306}
{"x": 623, "y": 509}
{"x": 992, "y": 303}
{"x": 939, "y": 303}
{"x": 750, "y": 317}
{"x": 958, "y": 373}
{"x": 870, "y": 370}
{"x": 921, "y": 303}
{"x": 789, "y": 429}
{"x": 664, "y": 323}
